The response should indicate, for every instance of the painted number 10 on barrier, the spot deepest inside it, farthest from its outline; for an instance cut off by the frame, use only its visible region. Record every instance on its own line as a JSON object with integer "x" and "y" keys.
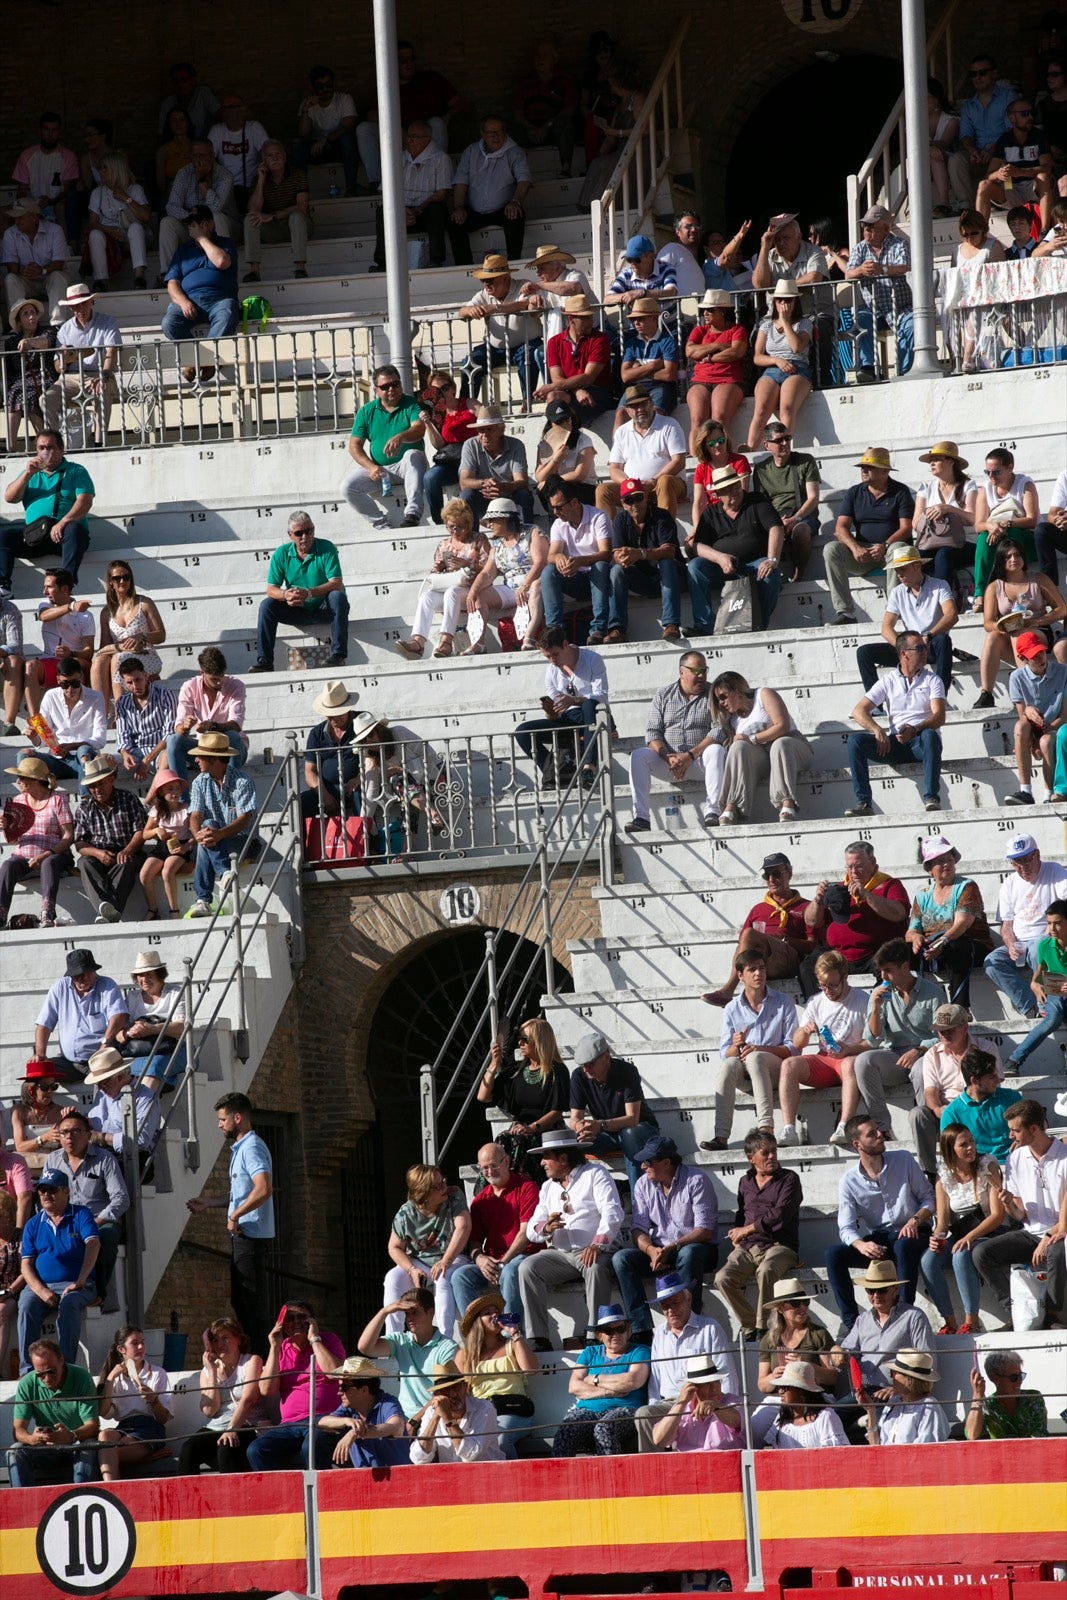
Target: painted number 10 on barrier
{"x": 86, "y": 1542}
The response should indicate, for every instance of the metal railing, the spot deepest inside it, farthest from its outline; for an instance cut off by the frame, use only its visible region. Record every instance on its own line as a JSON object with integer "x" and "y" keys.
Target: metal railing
{"x": 883, "y": 179}
{"x": 625, "y": 205}
{"x": 582, "y": 823}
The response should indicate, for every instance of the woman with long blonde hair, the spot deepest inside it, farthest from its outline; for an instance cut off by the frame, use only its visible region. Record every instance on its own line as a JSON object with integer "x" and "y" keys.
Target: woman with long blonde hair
{"x": 534, "y": 1090}
{"x": 118, "y": 211}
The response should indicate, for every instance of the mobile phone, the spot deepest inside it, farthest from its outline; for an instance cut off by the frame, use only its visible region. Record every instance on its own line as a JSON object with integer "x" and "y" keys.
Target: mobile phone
{"x": 282, "y": 1314}
{"x": 548, "y": 705}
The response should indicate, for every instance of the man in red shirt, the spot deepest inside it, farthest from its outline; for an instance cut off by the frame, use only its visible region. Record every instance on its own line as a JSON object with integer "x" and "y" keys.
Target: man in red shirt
{"x": 864, "y": 910}
{"x": 774, "y": 928}
{"x": 578, "y": 362}
{"x": 497, "y": 1242}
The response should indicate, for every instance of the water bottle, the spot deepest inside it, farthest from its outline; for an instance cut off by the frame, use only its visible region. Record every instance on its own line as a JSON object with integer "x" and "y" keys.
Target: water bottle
{"x": 335, "y": 190}
{"x": 827, "y": 1037}
{"x": 672, "y": 819}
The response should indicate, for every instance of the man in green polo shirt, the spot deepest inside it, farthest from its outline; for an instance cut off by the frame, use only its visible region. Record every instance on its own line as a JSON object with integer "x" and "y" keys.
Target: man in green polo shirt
{"x": 48, "y": 486}
{"x": 56, "y": 1407}
{"x": 386, "y": 448}
{"x": 1049, "y": 986}
{"x": 303, "y": 582}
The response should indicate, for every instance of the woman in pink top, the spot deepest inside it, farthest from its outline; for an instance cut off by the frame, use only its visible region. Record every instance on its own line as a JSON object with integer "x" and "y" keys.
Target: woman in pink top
{"x": 38, "y": 828}
{"x": 702, "y": 1417}
{"x": 294, "y": 1338}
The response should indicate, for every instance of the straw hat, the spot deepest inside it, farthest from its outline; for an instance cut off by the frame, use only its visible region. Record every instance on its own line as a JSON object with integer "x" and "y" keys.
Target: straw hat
{"x": 478, "y": 1308}
{"x": 785, "y": 289}
{"x": 446, "y": 1375}
{"x": 104, "y": 1064}
{"x": 875, "y": 456}
{"x": 333, "y": 699}
{"x": 31, "y": 767}
{"x": 489, "y": 417}
{"x": 787, "y": 1291}
{"x": 715, "y": 300}
{"x": 880, "y": 1275}
{"x": 646, "y": 306}
{"x": 78, "y": 294}
{"x": 577, "y": 305}
{"x": 148, "y": 961}
{"x": 363, "y": 725}
{"x": 26, "y": 207}
{"x": 723, "y": 477}
{"x": 902, "y": 555}
{"x": 357, "y": 1367}
{"x": 945, "y": 450}
{"x": 914, "y": 1364}
{"x": 546, "y": 253}
{"x": 494, "y": 266}
{"x": 213, "y": 744}
{"x": 20, "y": 305}
{"x": 96, "y": 770}
{"x": 798, "y": 1375}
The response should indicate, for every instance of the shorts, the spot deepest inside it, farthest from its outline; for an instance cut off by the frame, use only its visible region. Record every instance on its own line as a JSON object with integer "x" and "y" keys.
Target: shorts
{"x": 777, "y": 376}
{"x": 48, "y": 667}
{"x": 139, "y": 1426}
{"x": 825, "y": 1071}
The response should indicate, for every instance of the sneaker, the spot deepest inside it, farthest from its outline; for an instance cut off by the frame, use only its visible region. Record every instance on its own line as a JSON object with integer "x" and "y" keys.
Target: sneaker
{"x": 261, "y": 666}
{"x": 866, "y": 375}
{"x": 109, "y": 912}
{"x": 932, "y": 802}
{"x": 789, "y": 1136}
{"x": 201, "y": 908}
{"x": 411, "y": 520}
{"x": 638, "y": 825}
{"x": 710, "y": 819}
{"x": 844, "y": 619}
{"x": 985, "y": 701}
{"x": 788, "y": 812}
{"x": 381, "y": 522}
{"x": 9, "y": 730}
{"x": 1021, "y": 797}
{"x": 862, "y": 809}
{"x": 336, "y": 660}
{"x": 839, "y": 1137}
{"x": 1059, "y": 1105}
{"x": 1012, "y": 1067}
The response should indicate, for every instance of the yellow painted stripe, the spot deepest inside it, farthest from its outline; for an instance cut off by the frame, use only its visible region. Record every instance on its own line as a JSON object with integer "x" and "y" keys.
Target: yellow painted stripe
{"x": 18, "y": 1552}
{"x": 897, "y": 1512}
{"x": 532, "y": 1525}
{"x": 209, "y": 1541}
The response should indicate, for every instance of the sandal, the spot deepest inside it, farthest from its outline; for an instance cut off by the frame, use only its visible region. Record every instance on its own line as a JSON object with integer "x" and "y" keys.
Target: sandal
{"x": 788, "y": 812}
{"x": 474, "y": 649}
{"x": 730, "y": 815}
{"x": 444, "y": 648}
{"x": 412, "y": 649}
{"x": 151, "y": 916}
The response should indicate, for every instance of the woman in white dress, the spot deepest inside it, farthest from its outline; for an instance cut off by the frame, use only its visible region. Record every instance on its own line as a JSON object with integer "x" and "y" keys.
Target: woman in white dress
{"x": 803, "y": 1421}
{"x": 763, "y": 741}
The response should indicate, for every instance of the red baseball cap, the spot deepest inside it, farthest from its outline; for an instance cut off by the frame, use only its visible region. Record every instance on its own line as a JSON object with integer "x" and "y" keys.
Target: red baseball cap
{"x": 630, "y": 486}
{"x": 1028, "y": 645}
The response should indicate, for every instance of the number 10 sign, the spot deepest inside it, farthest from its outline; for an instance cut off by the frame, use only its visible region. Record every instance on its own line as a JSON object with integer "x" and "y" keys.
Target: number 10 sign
{"x": 86, "y": 1541}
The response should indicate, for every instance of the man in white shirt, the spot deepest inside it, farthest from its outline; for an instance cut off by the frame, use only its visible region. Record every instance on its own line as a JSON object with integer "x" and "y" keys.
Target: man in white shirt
{"x": 237, "y": 142}
{"x": 1035, "y": 1195}
{"x": 576, "y": 681}
{"x": 89, "y": 343}
{"x": 578, "y": 1217}
{"x": 1024, "y": 899}
{"x": 78, "y": 721}
{"x": 326, "y": 132}
{"x": 579, "y": 557}
{"x": 427, "y": 180}
{"x": 942, "y": 1077}
{"x": 456, "y": 1425}
{"x": 1050, "y": 535}
{"x": 34, "y": 254}
{"x": 67, "y": 629}
{"x": 650, "y": 448}
{"x": 917, "y": 604}
{"x": 913, "y": 698}
{"x": 682, "y": 254}
{"x": 679, "y": 1336}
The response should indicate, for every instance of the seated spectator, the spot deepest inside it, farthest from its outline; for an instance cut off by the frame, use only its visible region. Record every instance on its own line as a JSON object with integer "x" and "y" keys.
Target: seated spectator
{"x": 417, "y": 1349}
{"x": 212, "y": 702}
{"x": 983, "y": 1105}
{"x": 427, "y": 1242}
{"x": 130, "y": 628}
{"x": 1038, "y": 689}
{"x": 222, "y": 809}
{"x": 492, "y": 464}
{"x": 803, "y": 1420}
{"x": 1010, "y": 1412}
{"x": 942, "y": 1078}
{"x": 901, "y": 1028}
{"x": 713, "y": 451}
{"x": 875, "y": 513}
{"x": 118, "y": 211}
{"x": 577, "y": 1219}
{"x": 650, "y": 357}
{"x": 510, "y": 580}
{"x": 367, "y": 1428}
{"x": 774, "y": 928}
{"x": 304, "y": 584}
{"x": 1025, "y": 896}
{"x": 326, "y": 130}
{"x": 701, "y": 1417}
{"x": 722, "y": 258}
{"x": 875, "y": 907}
{"x": 512, "y": 334}
{"x": 449, "y": 424}
{"x": 35, "y": 1116}
{"x": 12, "y": 666}
{"x": 761, "y": 740}
{"x": 576, "y": 682}
{"x": 944, "y": 511}
{"x": 785, "y": 253}
{"x": 579, "y": 557}
{"x": 1007, "y": 507}
{"x": 916, "y": 604}
{"x": 609, "y": 1112}
{"x": 642, "y": 276}
{"x": 674, "y": 1220}
{"x": 425, "y": 93}
{"x": 1054, "y": 242}
{"x": 547, "y": 104}
{"x": 644, "y": 558}
{"x": 455, "y": 1426}
{"x": 793, "y": 1334}
{"x": 497, "y": 1240}
{"x": 1035, "y": 1196}
{"x": 201, "y": 281}
{"x": 109, "y": 1074}
{"x": 43, "y": 846}
{"x": 496, "y": 1361}
{"x": 393, "y": 778}
{"x": 1015, "y": 602}
{"x": 649, "y": 449}
{"x": 279, "y": 210}
{"x": 67, "y": 631}
{"x": 715, "y": 391}
{"x": 982, "y": 119}
{"x": 88, "y": 1011}
{"x": 457, "y": 561}
{"x": 1049, "y": 986}
{"x": 682, "y": 732}
{"x": 144, "y": 716}
{"x": 1022, "y": 161}
{"x": 330, "y": 762}
{"x": 1051, "y": 534}
{"x": 740, "y": 534}
{"x": 135, "y": 1407}
{"x": 765, "y": 1238}
{"x": 175, "y": 149}
{"x": 386, "y": 446}
{"x": 789, "y": 479}
{"x": 33, "y": 255}
{"x": 490, "y": 186}
{"x": 427, "y": 176}
{"x": 947, "y": 930}
{"x": 150, "y": 1036}
{"x": 755, "y": 1038}
{"x": 910, "y": 1414}
{"x": 30, "y": 368}
{"x": 614, "y": 107}
{"x": 60, "y": 1251}
{"x": 878, "y": 1334}
{"x": 230, "y": 1400}
{"x": 680, "y": 1335}
{"x": 578, "y": 364}
{"x": 238, "y": 142}
{"x": 913, "y": 698}
{"x": 783, "y": 353}
{"x": 55, "y": 1410}
{"x": 556, "y": 279}
{"x": 609, "y": 1381}
{"x": 970, "y": 1205}
{"x": 48, "y": 486}
{"x": 534, "y": 1093}
{"x": 885, "y": 1208}
{"x": 48, "y": 173}
{"x": 287, "y": 1376}
{"x": 880, "y": 263}
{"x": 685, "y": 254}
{"x": 188, "y": 94}
{"x": 833, "y": 1020}
{"x": 95, "y": 1179}
{"x": 204, "y": 185}
{"x": 108, "y": 830}
{"x": 13, "y": 1218}
{"x": 1020, "y": 226}
{"x": 565, "y": 451}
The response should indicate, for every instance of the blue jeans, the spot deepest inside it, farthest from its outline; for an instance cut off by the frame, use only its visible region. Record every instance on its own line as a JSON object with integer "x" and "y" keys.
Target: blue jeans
{"x": 925, "y": 747}
{"x": 221, "y": 316}
{"x": 69, "y": 554}
{"x": 148, "y": 1061}
{"x": 905, "y": 332}
{"x": 936, "y": 1266}
{"x": 1011, "y": 980}
{"x": 664, "y": 581}
{"x": 485, "y": 357}
{"x": 468, "y": 1283}
{"x": 906, "y": 1253}
{"x": 32, "y": 1314}
{"x": 180, "y": 743}
{"x": 70, "y": 766}
{"x": 479, "y": 502}
{"x": 1055, "y": 1017}
{"x": 629, "y": 1141}
{"x": 28, "y": 1464}
{"x": 343, "y": 148}
{"x": 591, "y": 583}
{"x": 706, "y": 579}
{"x": 280, "y": 1449}
{"x": 1050, "y": 541}
{"x": 534, "y": 738}
{"x": 631, "y": 1267}
{"x": 213, "y": 861}
{"x": 434, "y": 484}
{"x": 271, "y": 612}
{"x": 869, "y": 657}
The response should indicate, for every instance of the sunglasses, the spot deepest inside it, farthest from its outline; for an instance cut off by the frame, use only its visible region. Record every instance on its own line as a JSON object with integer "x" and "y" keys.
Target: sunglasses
{"x": 696, "y": 672}
{"x": 983, "y": 72}
{"x": 391, "y": 384}
{"x": 632, "y": 499}
{"x": 614, "y": 1327}
{"x": 879, "y": 1291}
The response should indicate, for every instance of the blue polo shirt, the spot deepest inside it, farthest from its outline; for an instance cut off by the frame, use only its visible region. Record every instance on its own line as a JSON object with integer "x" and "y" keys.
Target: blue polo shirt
{"x": 1048, "y": 695}
{"x": 984, "y": 1120}
{"x": 58, "y": 1250}
{"x": 248, "y": 1158}
{"x": 985, "y": 124}
{"x": 198, "y": 277}
{"x": 661, "y": 347}
{"x": 80, "y": 1021}
{"x": 876, "y": 517}
{"x": 379, "y": 1452}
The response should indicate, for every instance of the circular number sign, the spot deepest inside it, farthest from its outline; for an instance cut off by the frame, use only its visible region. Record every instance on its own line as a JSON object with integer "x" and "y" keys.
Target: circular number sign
{"x": 86, "y": 1541}
{"x": 821, "y": 16}
{"x": 460, "y": 903}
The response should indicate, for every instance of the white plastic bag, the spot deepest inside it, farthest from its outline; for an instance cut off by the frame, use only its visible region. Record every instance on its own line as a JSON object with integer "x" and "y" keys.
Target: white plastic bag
{"x": 1028, "y": 1290}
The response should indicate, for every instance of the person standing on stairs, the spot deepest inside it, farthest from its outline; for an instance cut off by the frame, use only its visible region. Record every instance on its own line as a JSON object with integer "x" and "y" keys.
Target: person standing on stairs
{"x": 249, "y": 1217}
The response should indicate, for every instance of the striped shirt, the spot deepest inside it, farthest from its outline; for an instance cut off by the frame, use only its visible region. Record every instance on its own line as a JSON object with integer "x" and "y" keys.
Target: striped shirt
{"x": 142, "y": 728}
{"x": 663, "y": 276}
{"x": 109, "y": 827}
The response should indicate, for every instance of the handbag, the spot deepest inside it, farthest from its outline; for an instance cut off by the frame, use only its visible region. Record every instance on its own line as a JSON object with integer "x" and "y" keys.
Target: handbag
{"x": 339, "y": 844}
{"x": 737, "y": 606}
{"x": 37, "y": 535}
{"x": 943, "y": 529}
{"x": 448, "y": 455}
{"x": 512, "y": 1405}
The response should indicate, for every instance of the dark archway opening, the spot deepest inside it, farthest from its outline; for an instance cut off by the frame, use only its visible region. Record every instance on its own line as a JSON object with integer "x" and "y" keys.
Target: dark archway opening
{"x": 798, "y": 145}
{"x": 410, "y": 1025}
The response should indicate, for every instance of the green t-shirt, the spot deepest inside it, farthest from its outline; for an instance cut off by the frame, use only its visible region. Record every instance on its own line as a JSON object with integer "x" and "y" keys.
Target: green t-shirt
{"x": 51, "y": 1408}
{"x": 1052, "y": 956}
{"x": 40, "y": 492}
{"x": 288, "y": 571}
{"x": 785, "y": 487}
{"x": 376, "y": 426}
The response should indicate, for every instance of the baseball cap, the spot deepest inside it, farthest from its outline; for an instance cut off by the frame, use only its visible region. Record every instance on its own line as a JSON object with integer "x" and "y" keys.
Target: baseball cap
{"x": 777, "y": 859}
{"x": 630, "y": 486}
{"x": 838, "y": 903}
{"x": 1023, "y": 844}
{"x": 52, "y": 1178}
{"x": 1028, "y": 645}
{"x": 638, "y": 245}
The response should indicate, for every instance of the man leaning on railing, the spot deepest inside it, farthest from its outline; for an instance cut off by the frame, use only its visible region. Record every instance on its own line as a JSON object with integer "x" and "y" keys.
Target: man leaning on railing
{"x": 880, "y": 263}
{"x": 97, "y": 335}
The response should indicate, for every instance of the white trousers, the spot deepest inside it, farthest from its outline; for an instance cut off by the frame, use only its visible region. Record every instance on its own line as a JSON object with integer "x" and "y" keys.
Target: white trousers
{"x": 645, "y": 764}
{"x": 135, "y": 238}
{"x": 172, "y": 233}
{"x": 363, "y": 494}
{"x": 54, "y": 284}
{"x": 398, "y": 1282}
{"x": 433, "y": 599}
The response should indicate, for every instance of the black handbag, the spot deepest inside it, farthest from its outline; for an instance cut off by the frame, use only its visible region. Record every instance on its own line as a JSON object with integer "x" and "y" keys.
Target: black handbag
{"x": 37, "y": 535}
{"x": 448, "y": 455}
{"x": 512, "y": 1405}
